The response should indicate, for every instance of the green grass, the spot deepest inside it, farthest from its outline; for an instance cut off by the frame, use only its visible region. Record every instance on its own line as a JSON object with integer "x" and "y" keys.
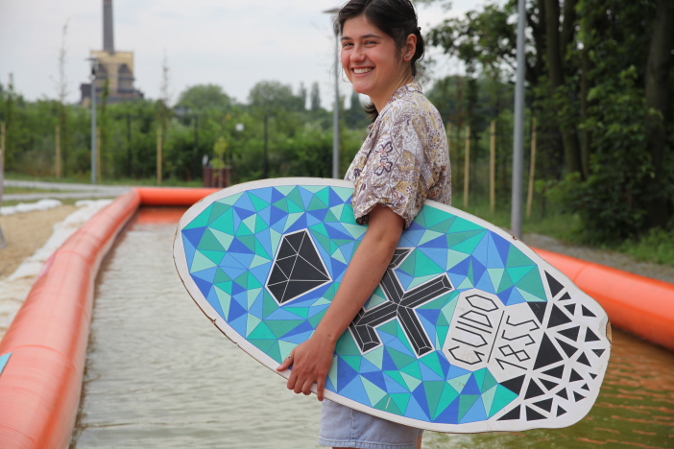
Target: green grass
{"x": 654, "y": 247}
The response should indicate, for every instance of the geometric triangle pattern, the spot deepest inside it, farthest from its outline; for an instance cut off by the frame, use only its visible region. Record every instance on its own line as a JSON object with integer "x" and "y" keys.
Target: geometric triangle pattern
{"x": 265, "y": 260}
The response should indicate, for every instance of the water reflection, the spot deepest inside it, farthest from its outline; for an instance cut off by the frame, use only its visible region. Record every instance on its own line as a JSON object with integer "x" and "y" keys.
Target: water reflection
{"x": 159, "y": 376}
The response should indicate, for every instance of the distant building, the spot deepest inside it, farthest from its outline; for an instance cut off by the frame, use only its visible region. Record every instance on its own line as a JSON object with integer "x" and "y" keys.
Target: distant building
{"x": 115, "y": 67}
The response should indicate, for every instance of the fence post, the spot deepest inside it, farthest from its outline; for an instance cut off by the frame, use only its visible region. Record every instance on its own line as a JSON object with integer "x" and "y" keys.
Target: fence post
{"x": 532, "y": 168}
{"x": 466, "y": 170}
{"x": 159, "y": 155}
{"x": 98, "y": 154}
{"x": 57, "y": 157}
{"x": 492, "y": 167}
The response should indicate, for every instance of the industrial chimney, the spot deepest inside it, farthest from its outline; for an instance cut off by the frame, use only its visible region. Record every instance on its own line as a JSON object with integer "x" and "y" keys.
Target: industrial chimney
{"x": 108, "y": 36}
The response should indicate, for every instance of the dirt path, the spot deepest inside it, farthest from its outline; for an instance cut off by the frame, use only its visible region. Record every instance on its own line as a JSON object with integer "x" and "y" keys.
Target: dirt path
{"x": 26, "y": 233}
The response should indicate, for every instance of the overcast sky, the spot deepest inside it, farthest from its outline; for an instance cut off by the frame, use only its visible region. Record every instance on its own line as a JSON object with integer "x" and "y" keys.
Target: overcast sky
{"x": 232, "y": 43}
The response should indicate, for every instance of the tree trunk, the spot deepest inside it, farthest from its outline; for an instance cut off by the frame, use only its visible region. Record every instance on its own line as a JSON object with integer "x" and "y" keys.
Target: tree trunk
{"x": 555, "y": 40}
{"x": 658, "y": 108}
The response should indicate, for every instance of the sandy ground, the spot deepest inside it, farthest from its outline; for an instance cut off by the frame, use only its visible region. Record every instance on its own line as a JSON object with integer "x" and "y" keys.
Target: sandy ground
{"x": 26, "y": 233}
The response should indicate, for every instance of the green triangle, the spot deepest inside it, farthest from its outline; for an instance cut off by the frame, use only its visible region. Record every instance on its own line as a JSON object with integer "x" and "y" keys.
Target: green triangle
{"x": 274, "y": 352}
{"x": 295, "y": 198}
{"x": 292, "y": 219}
{"x": 412, "y": 369}
{"x": 397, "y": 377}
{"x": 355, "y": 230}
{"x": 224, "y": 297}
{"x": 217, "y": 209}
{"x": 479, "y": 378}
{"x": 221, "y": 276}
{"x": 434, "y": 216}
{"x": 209, "y": 241}
{"x": 324, "y": 195}
{"x": 426, "y": 266}
{"x": 462, "y": 225}
{"x": 316, "y": 204}
{"x": 353, "y": 361}
{"x": 224, "y": 238}
{"x": 285, "y": 347}
{"x": 388, "y": 404}
{"x": 401, "y": 400}
{"x": 459, "y": 382}
{"x": 488, "y": 399}
{"x": 433, "y": 391}
{"x": 252, "y": 322}
{"x": 258, "y": 203}
{"x": 343, "y": 192}
{"x": 261, "y": 332}
{"x": 282, "y": 327}
{"x": 269, "y": 347}
{"x": 299, "y": 311}
{"x": 533, "y": 284}
{"x": 489, "y": 381}
{"x": 457, "y": 238}
{"x": 516, "y": 258}
{"x": 376, "y": 357}
{"x": 200, "y": 221}
{"x": 466, "y": 401}
{"x": 246, "y": 227}
{"x": 432, "y": 361}
{"x": 347, "y": 215}
{"x": 374, "y": 393}
{"x": 282, "y": 204}
{"x": 215, "y": 256}
{"x": 224, "y": 223}
{"x": 517, "y": 273}
{"x": 505, "y": 284}
{"x": 336, "y": 211}
{"x": 502, "y": 397}
{"x": 347, "y": 346}
{"x": 495, "y": 274}
{"x": 430, "y": 235}
{"x": 447, "y": 397}
{"x": 411, "y": 381}
{"x": 269, "y": 305}
{"x": 230, "y": 200}
{"x": 200, "y": 263}
{"x": 468, "y": 246}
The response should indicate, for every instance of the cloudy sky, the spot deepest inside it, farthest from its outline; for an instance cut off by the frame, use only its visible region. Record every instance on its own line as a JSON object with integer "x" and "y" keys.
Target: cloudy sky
{"x": 232, "y": 43}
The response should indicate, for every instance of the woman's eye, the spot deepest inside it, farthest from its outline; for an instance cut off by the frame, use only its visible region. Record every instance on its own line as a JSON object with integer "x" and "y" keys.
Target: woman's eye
{"x": 347, "y": 44}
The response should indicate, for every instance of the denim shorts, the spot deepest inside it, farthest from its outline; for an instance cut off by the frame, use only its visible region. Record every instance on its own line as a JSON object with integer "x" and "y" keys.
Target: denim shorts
{"x": 345, "y": 427}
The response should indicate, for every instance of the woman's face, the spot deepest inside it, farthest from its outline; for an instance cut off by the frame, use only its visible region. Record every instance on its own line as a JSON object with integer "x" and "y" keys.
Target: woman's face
{"x": 372, "y": 62}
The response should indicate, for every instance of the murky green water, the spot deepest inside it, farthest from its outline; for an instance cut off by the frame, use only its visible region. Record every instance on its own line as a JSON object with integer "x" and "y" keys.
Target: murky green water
{"x": 158, "y": 376}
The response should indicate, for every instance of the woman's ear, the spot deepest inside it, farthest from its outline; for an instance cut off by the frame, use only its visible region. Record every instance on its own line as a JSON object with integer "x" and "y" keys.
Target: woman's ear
{"x": 410, "y": 48}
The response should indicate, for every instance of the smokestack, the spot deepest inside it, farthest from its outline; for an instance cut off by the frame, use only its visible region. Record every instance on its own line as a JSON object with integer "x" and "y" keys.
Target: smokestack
{"x": 108, "y": 36}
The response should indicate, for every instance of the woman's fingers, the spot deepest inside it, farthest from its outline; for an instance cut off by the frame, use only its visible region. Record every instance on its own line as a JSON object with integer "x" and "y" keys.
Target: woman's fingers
{"x": 286, "y": 363}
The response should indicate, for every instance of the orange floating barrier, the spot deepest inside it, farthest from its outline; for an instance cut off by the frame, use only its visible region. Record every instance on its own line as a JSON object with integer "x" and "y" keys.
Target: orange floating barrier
{"x": 637, "y": 304}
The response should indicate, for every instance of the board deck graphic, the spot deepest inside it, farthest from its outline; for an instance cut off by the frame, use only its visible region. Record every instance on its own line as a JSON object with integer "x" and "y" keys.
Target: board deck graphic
{"x": 468, "y": 331}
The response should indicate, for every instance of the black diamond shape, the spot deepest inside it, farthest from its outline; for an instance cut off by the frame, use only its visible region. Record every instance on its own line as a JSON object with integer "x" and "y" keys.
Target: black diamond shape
{"x": 298, "y": 268}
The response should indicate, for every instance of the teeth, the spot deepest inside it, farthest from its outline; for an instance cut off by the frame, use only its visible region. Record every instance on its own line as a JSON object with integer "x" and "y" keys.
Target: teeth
{"x": 363, "y": 70}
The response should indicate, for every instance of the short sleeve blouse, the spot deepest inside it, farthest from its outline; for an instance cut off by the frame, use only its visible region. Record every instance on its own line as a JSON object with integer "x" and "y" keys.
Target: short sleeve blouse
{"x": 404, "y": 159}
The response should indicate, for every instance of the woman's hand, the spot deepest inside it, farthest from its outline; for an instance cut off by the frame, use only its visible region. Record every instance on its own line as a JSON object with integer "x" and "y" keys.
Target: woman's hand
{"x": 311, "y": 362}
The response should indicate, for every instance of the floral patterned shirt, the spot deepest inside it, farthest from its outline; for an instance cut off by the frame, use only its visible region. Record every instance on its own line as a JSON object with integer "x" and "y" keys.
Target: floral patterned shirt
{"x": 404, "y": 159}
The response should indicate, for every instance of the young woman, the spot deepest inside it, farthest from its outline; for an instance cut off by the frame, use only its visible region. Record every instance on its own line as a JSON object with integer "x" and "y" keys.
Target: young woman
{"x": 403, "y": 161}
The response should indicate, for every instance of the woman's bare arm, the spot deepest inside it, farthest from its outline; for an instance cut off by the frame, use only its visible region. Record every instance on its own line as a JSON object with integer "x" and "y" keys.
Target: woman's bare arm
{"x": 311, "y": 360}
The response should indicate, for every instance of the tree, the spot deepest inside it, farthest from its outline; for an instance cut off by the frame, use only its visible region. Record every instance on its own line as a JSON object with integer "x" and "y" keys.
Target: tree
{"x": 355, "y": 116}
{"x": 205, "y": 96}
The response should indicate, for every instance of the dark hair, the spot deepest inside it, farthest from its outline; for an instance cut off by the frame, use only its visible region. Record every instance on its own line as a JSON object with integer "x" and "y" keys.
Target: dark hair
{"x": 396, "y": 18}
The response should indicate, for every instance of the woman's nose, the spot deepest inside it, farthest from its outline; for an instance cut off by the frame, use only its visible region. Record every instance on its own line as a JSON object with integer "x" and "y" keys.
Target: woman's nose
{"x": 358, "y": 55}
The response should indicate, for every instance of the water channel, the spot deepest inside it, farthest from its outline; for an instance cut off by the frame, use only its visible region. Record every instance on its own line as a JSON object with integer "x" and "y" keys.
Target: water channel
{"x": 159, "y": 376}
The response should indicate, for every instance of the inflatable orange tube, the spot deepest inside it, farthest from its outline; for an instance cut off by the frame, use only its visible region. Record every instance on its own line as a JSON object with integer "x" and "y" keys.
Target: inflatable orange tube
{"x": 637, "y": 304}
{"x": 41, "y": 383}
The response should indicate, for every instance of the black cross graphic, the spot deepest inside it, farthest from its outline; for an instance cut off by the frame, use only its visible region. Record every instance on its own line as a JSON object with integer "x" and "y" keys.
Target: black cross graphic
{"x": 399, "y": 304}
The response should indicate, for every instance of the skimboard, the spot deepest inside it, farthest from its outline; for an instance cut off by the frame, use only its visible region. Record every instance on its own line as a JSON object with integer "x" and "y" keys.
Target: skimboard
{"x": 469, "y": 330}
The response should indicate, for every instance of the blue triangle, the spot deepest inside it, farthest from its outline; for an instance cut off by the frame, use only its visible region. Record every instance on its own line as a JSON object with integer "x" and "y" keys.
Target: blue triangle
{"x": 354, "y": 390}
{"x": 264, "y": 193}
{"x": 476, "y": 412}
{"x": 471, "y": 387}
{"x": 307, "y": 196}
{"x": 240, "y": 324}
{"x": 190, "y": 251}
{"x": 515, "y": 297}
{"x": 3, "y": 361}
{"x": 238, "y": 247}
{"x": 300, "y": 224}
{"x": 276, "y": 195}
{"x": 214, "y": 301}
{"x": 393, "y": 387}
{"x": 334, "y": 199}
{"x": 481, "y": 251}
{"x": 303, "y": 327}
{"x": 345, "y": 374}
{"x": 242, "y": 213}
{"x": 428, "y": 375}
{"x": 449, "y": 415}
{"x": 244, "y": 203}
{"x": 376, "y": 377}
{"x": 502, "y": 245}
{"x": 236, "y": 311}
{"x": 419, "y": 396}
{"x": 194, "y": 235}
{"x": 485, "y": 283}
{"x": 461, "y": 267}
{"x": 415, "y": 411}
{"x": 437, "y": 255}
{"x": 204, "y": 286}
{"x": 319, "y": 214}
{"x": 276, "y": 214}
{"x": 494, "y": 259}
{"x": 265, "y": 215}
{"x": 337, "y": 232}
{"x": 207, "y": 275}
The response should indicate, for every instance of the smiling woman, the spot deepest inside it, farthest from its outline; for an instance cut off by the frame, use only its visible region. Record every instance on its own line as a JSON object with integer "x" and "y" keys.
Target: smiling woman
{"x": 403, "y": 162}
